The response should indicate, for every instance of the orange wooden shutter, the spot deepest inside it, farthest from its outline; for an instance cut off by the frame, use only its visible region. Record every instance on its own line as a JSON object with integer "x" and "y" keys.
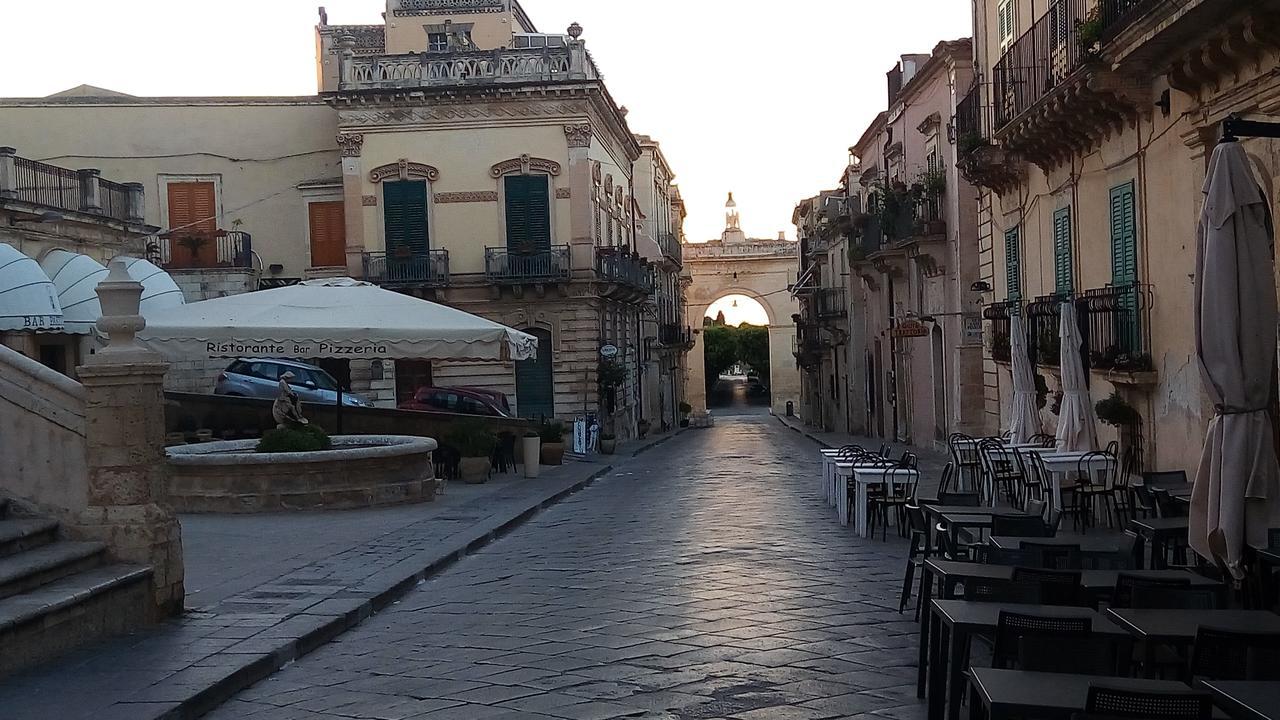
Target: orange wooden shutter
{"x": 193, "y": 211}
{"x": 328, "y": 233}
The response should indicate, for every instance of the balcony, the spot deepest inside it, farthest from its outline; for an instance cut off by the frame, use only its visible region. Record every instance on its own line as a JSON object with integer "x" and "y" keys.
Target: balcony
{"x": 82, "y": 191}
{"x": 672, "y": 250}
{"x": 415, "y": 270}
{"x": 1118, "y": 328}
{"x": 628, "y": 276}
{"x": 504, "y": 266}
{"x": 187, "y": 250}
{"x": 810, "y": 347}
{"x": 671, "y": 335}
{"x": 999, "y": 314}
{"x": 979, "y": 160}
{"x": 505, "y": 66}
{"x": 832, "y": 303}
{"x": 1051, "y": 96}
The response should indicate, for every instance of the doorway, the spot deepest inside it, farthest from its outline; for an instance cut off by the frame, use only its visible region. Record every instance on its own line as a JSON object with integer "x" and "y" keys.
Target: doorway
{"x": 535, "y": 382}
{"x": 939, "y": 378}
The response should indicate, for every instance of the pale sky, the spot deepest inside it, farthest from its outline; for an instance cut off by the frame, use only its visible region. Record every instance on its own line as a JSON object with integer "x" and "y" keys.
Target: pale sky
{"x": 761, "y": 98}
{"x": 738, "y": 309}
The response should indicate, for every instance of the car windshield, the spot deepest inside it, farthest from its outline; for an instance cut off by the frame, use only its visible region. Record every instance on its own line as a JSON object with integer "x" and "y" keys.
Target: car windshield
{"x": 322, "y": 379}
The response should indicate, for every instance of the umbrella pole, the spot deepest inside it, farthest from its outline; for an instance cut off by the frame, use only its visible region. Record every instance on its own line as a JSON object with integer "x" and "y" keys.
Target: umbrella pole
{"x": 337, "y": 425}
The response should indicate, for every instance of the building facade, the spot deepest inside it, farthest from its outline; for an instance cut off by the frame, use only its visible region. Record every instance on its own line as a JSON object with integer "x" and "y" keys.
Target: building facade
{"x": 1089, "y": 129}
{"x": 453, "y": 153}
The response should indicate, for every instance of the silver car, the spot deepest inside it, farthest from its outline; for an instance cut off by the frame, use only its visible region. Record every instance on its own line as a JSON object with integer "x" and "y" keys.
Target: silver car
{"x": 260, "y": 378}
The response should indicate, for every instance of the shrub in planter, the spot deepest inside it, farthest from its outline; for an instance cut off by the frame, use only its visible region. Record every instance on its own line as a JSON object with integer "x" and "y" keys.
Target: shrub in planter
{"x": 643, "y": 427}
{"x": 306, "y": 438}
{"x": 685, "y": 409}
{"x": 552, "y": 433}
{"x": 475, "y": 443}
{"x": 1115, "y": 411}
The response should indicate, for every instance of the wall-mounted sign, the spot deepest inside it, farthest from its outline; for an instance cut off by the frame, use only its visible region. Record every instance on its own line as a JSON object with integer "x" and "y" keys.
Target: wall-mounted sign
{"x": 609, "y": 351}
{"x": 972, "y": 329}
{"x": 909, "y": 329}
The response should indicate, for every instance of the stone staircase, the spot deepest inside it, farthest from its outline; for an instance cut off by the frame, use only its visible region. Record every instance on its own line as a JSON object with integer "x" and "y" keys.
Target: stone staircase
{"x": 57, "y": 594}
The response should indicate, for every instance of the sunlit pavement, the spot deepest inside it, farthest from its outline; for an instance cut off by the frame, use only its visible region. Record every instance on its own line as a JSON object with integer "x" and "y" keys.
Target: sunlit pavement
{"x": 706, "y": 579}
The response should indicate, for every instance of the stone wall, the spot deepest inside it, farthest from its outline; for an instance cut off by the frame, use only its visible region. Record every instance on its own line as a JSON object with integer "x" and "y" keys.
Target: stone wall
{"x": 229, "y": 477}
{"x": 199, "y": 374}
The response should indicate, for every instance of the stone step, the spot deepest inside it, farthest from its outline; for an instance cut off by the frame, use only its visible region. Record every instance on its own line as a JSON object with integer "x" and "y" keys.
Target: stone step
{"x": 31, "y": 569}
{"x": 22, "y": 534}
{"x": 52, "y": 619}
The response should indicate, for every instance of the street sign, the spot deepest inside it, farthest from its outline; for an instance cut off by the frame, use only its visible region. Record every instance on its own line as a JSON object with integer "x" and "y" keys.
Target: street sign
{"x": 910, "y": 329}
{"x": 609, "y": 351}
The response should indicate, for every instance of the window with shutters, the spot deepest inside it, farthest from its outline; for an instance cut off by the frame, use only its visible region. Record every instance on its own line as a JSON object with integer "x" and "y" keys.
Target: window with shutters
{"x": 193, "y": 223}
{"x": 1012, "y": 265}
{"x": 1062, "y": 260}
{"x": 1007, "y": 22}
{"x": 528, "y": 212}
{"x": 1124, "y": 267}
{"x": 404, "y": 218}
{"x": 327, "y": 228}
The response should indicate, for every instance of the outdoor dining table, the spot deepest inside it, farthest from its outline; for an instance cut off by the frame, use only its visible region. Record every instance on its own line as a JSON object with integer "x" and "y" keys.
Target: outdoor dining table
{"x": 946, "y": 575}
{"x": 954, "y": 621}
{"x": 1158, "y": 533}
{"x": 863, "y": 476}
{"x": 1245, "y": 700}
{"x": 1018, "y": 693}
{"x": 1179, "y": 627}
{"x": 830, "y": 457}
{"x": 1088, "y": 545}
{"x": 1060, "y": 464}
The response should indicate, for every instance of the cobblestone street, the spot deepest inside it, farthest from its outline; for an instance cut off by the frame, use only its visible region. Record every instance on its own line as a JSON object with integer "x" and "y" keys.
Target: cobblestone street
{"x": 705, "y": 579}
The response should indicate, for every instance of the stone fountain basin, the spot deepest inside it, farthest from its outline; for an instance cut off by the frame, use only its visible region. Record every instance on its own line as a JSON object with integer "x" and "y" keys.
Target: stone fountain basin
{"x": 360, "y": 471}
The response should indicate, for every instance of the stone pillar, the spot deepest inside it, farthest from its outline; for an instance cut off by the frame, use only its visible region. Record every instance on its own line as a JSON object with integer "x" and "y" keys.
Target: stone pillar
{"x": 346, "y": 60}
{"x": 351, "y": 145}
{"x": 137, "y": 210}
{"x": 581, "y": 223}
{"x": 90, "y": 191}
{"x": 577, "y": 53}
{"x": 124, "y": 431}
{"x": 8, "y": 174}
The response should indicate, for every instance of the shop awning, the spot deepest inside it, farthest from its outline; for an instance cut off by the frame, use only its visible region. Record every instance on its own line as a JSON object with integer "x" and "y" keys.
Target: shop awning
{"x": 76, "y": 278}
{"x": 28, "y": 298}
{"x": 331, "y": 318}
{"x": 159, "y": 291}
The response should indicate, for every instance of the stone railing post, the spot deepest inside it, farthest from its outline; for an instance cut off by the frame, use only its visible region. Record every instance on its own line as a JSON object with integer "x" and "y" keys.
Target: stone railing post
{"x": 8, "y": 174}
{"x": 137, "y": 211}
{"x": 346, "y": 60}
{"x": 577, "y": 53}
{"x": 124, "y": 433}
{"x": 90, "y": 191}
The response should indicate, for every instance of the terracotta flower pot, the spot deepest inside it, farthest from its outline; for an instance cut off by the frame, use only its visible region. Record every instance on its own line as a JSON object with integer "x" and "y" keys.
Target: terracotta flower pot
{"x": 608, "y": 446}
{"x": 474, "y": 471}
{"x": 552, "y": 453}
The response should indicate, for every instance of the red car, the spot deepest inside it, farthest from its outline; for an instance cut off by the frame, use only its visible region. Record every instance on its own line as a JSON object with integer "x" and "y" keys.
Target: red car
{"x": 465, "y": 401}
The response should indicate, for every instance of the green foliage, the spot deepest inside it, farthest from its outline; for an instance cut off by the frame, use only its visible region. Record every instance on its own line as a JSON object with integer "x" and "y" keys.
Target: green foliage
{"x": 971, "y": 141}
{"x": 1114, "y": 410}
{"x": 306, "y": 438}
{"x": 1089, "y": 30}
{"x": 753, "y": 348}
{"x": 724, "y": 345}
{"x": 471, "y": 438}
{"x": 551, "y": 431}
{"x": 685, "y": 408}
{"x": 934, "y": 181}
{"x": 612, "y": 374}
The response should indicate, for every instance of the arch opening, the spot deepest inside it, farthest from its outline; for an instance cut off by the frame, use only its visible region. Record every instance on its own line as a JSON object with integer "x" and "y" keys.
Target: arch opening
{"x": 736, "y": 356}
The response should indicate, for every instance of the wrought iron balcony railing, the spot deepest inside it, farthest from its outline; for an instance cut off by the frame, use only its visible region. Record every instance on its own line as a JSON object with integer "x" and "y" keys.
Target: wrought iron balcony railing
{"x": 1045, "y": 328}
{"x": 998, "y": 315}
{"x": 1039, "y": 61}
{"x": 1118, "y": 327}
{"x": 671, "y": 247}
{"x": 673, "y": 335}
{"x": 513, "y": 267}
{"x": 467, "y": 68}
{"x": 623, "y": 268}
{"x": 429, "y": 269}
{"x": 833, "y": 303}
{"x": 186, "y": 250}
{"x": 1116, "y": 15}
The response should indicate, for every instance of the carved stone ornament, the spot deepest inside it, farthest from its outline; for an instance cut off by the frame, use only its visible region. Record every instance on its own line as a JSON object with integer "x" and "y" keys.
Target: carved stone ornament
{"x": 369, "y": 200}
{"x": 404, "y": 170}
{"x": 525, "y": 165}
{"x": 618, "y": 195}
{"x": 466, "y": 196}
{"x": 579, "y": 136}
{"x": 608, "y": 185}
{"x": 596, "y": 173}
{"x": 350, "y": 144}
{"x": 564, "y": 193}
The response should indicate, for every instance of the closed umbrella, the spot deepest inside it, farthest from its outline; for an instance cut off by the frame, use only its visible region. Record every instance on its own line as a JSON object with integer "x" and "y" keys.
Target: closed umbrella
{"x": 1077, "y": 422}
{"x": 1237, "y": 487}
{"x": 1025, "y": 421}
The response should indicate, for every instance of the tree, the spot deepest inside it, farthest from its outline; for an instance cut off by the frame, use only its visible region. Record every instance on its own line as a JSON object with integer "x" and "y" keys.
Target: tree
{"x": 720, "y": 350}
{"x": 753, "y": 347}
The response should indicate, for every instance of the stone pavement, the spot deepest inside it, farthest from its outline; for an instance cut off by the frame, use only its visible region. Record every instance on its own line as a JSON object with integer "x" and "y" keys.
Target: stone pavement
{"x": 708, "y": 580}
{"x": 268, "y": 589}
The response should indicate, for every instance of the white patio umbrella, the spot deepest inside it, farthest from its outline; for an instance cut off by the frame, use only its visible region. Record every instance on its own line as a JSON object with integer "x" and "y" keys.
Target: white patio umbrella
{"x": 1077, "y": 421}
{"x": 1237, "y": 488}
{"x": 1025, "y": 420}
{"x": 331, "y": 318}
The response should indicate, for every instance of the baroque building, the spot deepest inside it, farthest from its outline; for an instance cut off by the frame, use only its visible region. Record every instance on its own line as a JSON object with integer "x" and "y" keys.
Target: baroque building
{"x": 452, "y": 152}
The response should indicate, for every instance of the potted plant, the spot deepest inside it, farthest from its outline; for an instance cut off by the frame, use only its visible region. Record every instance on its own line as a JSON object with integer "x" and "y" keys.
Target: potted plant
{"x": 1116, "y": 411}
{"x": 1089, "y": 31}
{"x": 474, "y": 443}
{"x": 608, "y": 441}
{"x": 531, "y": 452}
{"x": 970, "y": 142}
{"x": 643, "y": 427}
{"x": 685, "y": 409}
{"x": 552, "y": 434}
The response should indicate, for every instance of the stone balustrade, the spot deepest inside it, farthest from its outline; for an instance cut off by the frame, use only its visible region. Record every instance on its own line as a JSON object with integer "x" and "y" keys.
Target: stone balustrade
{"x": 428, "y": 70}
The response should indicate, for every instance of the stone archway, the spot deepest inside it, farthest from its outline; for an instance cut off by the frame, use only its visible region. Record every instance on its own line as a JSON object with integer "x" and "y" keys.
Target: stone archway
{"x": 761, "y": 270}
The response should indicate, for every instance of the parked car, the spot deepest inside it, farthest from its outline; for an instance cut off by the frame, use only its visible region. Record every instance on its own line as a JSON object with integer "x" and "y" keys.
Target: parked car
{"x": 466, "y": 401}
{"x": 260, "y": 378}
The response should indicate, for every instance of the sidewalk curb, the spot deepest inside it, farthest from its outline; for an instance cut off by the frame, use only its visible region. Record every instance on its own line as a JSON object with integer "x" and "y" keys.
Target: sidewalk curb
{"x": 260, "y": 656}
{"x": 805, "y": 433}
{"x": 675, "y": 434}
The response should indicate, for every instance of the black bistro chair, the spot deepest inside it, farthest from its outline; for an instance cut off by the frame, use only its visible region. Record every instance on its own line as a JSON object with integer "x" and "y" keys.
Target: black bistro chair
{"x": 1115, "y": 703}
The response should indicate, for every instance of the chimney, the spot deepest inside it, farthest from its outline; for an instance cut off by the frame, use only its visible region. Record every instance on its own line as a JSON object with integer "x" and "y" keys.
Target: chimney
{"x": 782, "y": 235}
{"x": 895, "y": 83}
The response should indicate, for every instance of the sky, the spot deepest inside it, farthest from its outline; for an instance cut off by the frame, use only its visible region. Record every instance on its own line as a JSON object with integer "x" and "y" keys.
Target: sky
{"x": 742, "y": 97}
{"x": 739, "y": 309}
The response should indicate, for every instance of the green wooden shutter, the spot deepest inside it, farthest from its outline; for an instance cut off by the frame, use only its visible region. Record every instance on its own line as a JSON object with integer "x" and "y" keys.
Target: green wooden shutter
{"x": 1062, "y": 274}
{"x": 404, "y": 216}
{"x": 1124, "y": 235}
{"x": 528, "y": 209}
{"x": 1012, "y": 265}
{"x": 535, "y": 380}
